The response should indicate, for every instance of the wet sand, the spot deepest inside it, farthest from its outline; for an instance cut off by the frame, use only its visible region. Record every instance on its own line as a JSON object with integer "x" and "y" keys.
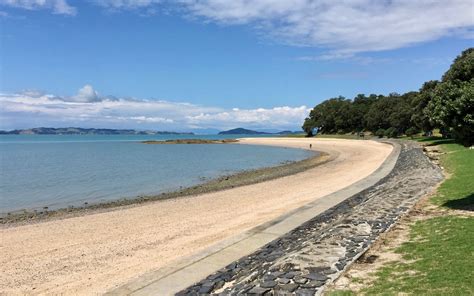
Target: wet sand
{"x": 94, "y": 253}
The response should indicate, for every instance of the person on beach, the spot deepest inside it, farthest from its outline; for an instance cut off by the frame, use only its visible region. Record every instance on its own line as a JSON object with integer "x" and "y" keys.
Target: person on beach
{"x": 310, "y": 146}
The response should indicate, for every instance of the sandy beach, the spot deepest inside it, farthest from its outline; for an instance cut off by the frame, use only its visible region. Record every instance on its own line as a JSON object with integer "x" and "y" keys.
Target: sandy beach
{"x": 94, "y": 253}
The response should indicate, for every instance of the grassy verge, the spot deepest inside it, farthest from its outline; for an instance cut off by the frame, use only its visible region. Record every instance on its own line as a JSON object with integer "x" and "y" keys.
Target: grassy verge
{"x": 437, "y": 258}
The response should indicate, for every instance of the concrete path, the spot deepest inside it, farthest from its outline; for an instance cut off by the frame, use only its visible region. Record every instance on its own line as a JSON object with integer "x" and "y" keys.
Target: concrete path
{"x": 186, "y": 272}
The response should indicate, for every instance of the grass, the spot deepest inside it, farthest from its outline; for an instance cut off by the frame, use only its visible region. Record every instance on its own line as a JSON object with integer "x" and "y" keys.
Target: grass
{"x": 440, "y": 252}
{"x": 458, "y": 191}
{"x": 438, "y": 257}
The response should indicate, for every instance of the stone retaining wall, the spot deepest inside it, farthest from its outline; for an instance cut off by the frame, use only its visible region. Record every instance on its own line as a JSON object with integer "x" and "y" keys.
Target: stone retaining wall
{"x": 314, "y": 254}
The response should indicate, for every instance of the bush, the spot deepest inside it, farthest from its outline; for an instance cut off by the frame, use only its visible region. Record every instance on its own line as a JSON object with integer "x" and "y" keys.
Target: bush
{"x": 411, "y": 131}
{"x": 380, "y": 133}
{"x": 391, "y": 132}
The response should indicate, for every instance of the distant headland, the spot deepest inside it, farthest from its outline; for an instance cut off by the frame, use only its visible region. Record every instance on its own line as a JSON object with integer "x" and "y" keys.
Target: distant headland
{"x": 85, "y": 131}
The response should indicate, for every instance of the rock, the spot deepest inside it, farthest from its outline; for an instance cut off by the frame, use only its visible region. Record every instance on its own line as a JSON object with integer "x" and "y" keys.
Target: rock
{"x": 206, "y": 289}
{"x": 268, "y": 284}
{"x": 289, "y": 287}
{"x": 283, "y": 281}
{"x": 290, "y": 275}
{"x": 258, "y": 290}
{"x": 300, "y": 280}
{"x": 313, "y": 284}
{"x": 304, "y": 292}
{"x": 315, "y": 276}
{"x": 219, "y": 285}
{"x": 269, "y": 277}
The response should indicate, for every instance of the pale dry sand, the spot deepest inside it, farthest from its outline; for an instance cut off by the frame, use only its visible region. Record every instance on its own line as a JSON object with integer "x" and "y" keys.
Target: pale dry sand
{"x": 94, "y": 253}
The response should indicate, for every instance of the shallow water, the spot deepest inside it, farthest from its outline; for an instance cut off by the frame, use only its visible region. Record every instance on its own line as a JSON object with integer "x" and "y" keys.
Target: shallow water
{"x": 58, "y": 171}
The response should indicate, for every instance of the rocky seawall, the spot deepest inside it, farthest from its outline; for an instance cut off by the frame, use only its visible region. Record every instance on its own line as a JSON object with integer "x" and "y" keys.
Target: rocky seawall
{"x": 311, "y": 256}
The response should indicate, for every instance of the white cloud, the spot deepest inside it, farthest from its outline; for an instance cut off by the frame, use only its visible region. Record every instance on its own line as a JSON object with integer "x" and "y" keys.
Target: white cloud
{"x": 344, "y": 27}
{"x": 126, "y": 4}
{"x": 89, "y": 109}
{"x": 57, "y": 6}
{"x": 86, "y": 94}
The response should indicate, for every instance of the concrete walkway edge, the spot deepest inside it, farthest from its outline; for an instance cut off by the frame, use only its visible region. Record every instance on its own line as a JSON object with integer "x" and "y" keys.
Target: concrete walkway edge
{"x": 185, "y": 272}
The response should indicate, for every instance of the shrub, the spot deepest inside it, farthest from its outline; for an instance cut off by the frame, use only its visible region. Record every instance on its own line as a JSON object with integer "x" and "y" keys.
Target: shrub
{"x": 380, "y": 133}
{"x": 391, "y": 132}
{"x": 411, "y": 131}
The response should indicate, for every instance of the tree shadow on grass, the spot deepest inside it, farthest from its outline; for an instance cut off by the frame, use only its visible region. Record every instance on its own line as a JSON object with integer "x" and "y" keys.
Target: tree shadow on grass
{"x": 438, "y": 141}
{"x": 466, "y": 203}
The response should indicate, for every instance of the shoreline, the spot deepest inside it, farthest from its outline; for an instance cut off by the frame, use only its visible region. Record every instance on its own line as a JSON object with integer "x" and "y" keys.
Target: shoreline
{"x": 93, "y": 254}
{"x": 189, "y": 141}
{"x": 243, "y": 178}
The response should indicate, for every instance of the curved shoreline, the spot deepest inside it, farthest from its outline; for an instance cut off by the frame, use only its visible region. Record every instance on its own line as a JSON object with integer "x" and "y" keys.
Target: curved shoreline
{"x": 246, "y": 177}
{"x": 92, "y": 254}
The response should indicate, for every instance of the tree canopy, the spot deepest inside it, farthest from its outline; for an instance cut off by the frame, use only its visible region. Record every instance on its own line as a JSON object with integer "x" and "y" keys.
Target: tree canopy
{"x": 447, "y": 104}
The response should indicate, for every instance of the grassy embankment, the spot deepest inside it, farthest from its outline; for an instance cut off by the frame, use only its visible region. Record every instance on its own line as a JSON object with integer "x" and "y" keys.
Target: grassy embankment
{"x": 437, "y": 258}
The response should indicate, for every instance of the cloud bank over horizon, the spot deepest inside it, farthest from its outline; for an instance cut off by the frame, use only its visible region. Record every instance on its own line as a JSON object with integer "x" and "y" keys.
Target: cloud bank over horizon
{"x": 341, "y": 28}
{"x": 89, "y": 109}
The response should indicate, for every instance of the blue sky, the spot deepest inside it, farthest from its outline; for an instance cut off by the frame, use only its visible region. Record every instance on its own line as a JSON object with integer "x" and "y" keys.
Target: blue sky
{"x": 190, "y": 65}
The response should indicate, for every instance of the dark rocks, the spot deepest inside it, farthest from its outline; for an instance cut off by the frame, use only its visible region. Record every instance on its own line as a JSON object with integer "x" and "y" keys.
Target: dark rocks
{"x": 315, "y": 276}
{"x": 268, "y": 284}
{"x": 305, "y": 292}
{"x": 289, "y": 287}
{"x": 290, "y": 275}
{"x": 283, "y": 281}
{"x": 258, "y": 291}
{"x": 300, "y": 280}
{"x": 206, "y": 289}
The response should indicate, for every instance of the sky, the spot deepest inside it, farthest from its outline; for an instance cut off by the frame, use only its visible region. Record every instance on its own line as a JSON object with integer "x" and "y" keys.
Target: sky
{"x": 196, "y": 65}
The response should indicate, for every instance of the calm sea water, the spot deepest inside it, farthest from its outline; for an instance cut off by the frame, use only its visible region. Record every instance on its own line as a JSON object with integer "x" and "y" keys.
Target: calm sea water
{"x": 58, "y": 171}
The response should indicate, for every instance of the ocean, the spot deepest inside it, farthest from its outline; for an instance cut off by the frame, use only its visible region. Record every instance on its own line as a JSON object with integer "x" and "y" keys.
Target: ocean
{"x": 39, "y": 171}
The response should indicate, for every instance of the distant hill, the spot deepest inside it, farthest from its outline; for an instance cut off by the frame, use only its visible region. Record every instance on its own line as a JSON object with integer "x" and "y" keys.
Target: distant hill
{"x": 243, "y": 131}
{"x": 85, "y": 131}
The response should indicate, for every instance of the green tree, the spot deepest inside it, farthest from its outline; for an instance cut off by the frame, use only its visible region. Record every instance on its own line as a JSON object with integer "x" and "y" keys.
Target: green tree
{"x": 402, "y": 111}
{"x": 452, "y": 105}
{"x": 331, "y": 116}
{"x": 452, "y": 109}
{"x": 360, "y": 107}
{"x": 378, "y": 116}
{"x": 419, "y": 117}
{"x": 462, "y": 68}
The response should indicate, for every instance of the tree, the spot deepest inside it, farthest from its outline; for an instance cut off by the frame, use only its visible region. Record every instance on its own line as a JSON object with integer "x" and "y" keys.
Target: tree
{"x": 419, "y": 117}
{"x": 451, "y": 107}
{"x": 447, "y": 104}
{"x": 378, "y": 116}
{"x": 360, "y": 107}
{"x": 462, "y": 68}
{"x": 331, "y": 116}
{"x": 400, "y": 116}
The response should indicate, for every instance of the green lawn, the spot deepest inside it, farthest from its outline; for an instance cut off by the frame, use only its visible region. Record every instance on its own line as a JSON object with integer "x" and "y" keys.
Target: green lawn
{"x": 440, "y": 250}
{"x": 442, "y": 261}
{"x": 458, "y": 190}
